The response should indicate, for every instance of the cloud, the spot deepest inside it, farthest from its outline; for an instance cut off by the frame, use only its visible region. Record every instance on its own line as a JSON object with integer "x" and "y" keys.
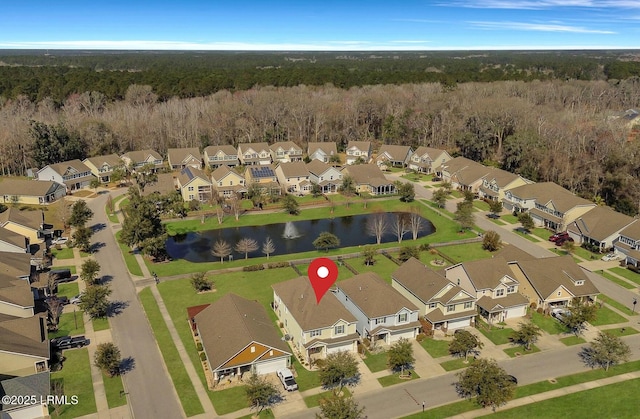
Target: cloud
{"x": 543, "y": 4}
{"x": 538, "y": 27}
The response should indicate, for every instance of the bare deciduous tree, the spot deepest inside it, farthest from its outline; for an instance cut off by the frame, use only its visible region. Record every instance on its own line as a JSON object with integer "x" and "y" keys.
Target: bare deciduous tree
{"x": 221, "y": 249}
{"x": 400, "y": 225}
{"x": 235, "y": 205}
{"x": 416, "y": 222}
{"x": 268, "y": 247}
{"x": 220, "y": 214}
{"x": 377, "y": 225}
{"x": 246, "y": 246}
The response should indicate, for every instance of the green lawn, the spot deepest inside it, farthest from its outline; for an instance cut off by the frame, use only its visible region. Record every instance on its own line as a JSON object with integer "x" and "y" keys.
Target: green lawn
{"x": 548, "y": 323}
{"x": 313, "y": 401}
{"x": 481, "y": 205}
{"x": 67, "y": 325}
{"x": 64, "y": 253}
{"x": 626, "y": 273}
{"x": 68, "y": 289}
{"x": 434, "y": 206}
{"x": 613, "y": 303}
{"x": 389, "y": 380}
{"x": 497, "y": 335}
{"x": 606, "y": 316}
{"x": 427, "y": 257}
{"x": 513, "y": 352}
{"x": 112, "y": 215}
{"x": 617, "y": 280}
{"x": 614, "y": 400}
{"x": 465, "y": 252}
{"x": 76, "y": 380}
{"x": 383, "y": 266}
{"x": 572, "y": 340}
{"x": 129, "y": 258}
{"x": 181, "y": 381}
{"x": 376, "y": 362}
{"x": 306, "y": 379}
{"x": 456, "y": 364}
{"x": 498, "y": 221}
{"x": 112, "y": 387}
{"x": 435, "y": 347}
{"x": 100, "y": 324}
{"x": 343, "y": 272}
{"x": 229, "y": 400}
{"x": 625, "y": 331}
{"x": 510, "y": 218}
{"x": 543, "y": 233}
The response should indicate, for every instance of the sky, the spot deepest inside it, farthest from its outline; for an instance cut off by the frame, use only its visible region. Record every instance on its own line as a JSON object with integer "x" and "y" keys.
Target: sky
{"x": 327, "y": 25}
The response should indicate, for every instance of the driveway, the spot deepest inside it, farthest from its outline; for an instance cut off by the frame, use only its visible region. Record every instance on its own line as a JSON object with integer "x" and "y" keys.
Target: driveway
{"x": 150, "y": 390}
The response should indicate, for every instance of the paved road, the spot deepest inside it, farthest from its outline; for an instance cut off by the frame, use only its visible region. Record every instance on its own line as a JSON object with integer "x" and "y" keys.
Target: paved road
{"x": 151, "y": 392}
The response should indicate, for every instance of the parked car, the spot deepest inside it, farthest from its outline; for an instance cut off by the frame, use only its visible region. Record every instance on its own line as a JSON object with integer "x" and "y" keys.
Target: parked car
{"x": 68, "y": 342}
{"x": 560, "y": 313}
{"x": 513, "y": 379}
{"x": 563, "y": 240}
{"x": 558, "y": 236}
{"x": 611, "y": 256}
{"x": 493, "y": 216}
{"x": 75, "y": 300}
{"x": 287, "y": 379}
{"x": 60, "y": 240}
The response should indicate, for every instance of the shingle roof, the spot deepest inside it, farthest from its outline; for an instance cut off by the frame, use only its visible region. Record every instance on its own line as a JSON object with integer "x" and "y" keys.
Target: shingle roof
{"x": 31, "y": 219}
{"x": 285, "y": 145}
{"x": 364, "y": 174}
{"x": 297, "y": 294}
{"x": 329, "y": 148}
{"x": 62, "y": 167}
{"x": 498, "y": 304}
{"x": 294, "y": 169}
{"x": 38, "y": 385}
{"x": 431, "y": 152}
{"x": 457, "y": 164}
{"x": 189, "y": 173}
{"x": 15, "y": 291}
{"x": 15, "y": 265}
{"x": 110, "y": 160}
{"x": 257, "y": 147}
{"x": 633, "y": 231}
{"x": 511, "y": 253}
{"x": 138, "y": 156}
{"x": 13, "y": 238}
{"x": 229, "y": 150}
{"x": 421, "y": 281}
{"x": 502, "y": 177}
{"x": 487, "y": 273}
{"x": 601, "y": 222}
{"x": 23, "y": 187}
{"x": 360, "y": 145}
{"x": 395, "y": 152}
{"x": 373, "y": 296}
{"x": 231, "y": 323}
{"x": 547, "y": 192}
{"x": 178, "y": 155}
{"x": 25, "y": 336}
{"x": 163, "y": 185}
{"x": 317, "y": 167}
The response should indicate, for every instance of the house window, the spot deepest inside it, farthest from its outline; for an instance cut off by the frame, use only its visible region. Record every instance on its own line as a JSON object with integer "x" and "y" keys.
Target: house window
{"x": 468, "y": 304}
{"x": 190, "y": 188}
{"x": 402, "y": 317}
{"x": 191, "y": 197}
{"x": 451, "y": 307}
{"x": 253, "y": 349}
{"x": 500, "y": 292}
{"x": 338, "y": 330}
{"x": 433, "y": 305}
{"x": 511, "y": 289}
{"x": 315, "y": 333}
{"x": 379, "y": 320}
{"x": 230, "y": 183}
{"x": 559, "y": 293}
{"x": 579, "y": 282}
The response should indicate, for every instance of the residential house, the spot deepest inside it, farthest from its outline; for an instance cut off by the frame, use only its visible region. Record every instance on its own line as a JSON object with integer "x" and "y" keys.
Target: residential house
{"x": 368, "y": 178}
{"x": 73, "y": 174}
{"x": 16, "y": 266}
{"x": 443, "y": 304}
{"x": 165, "y": 184}
{"x": 498, "y": 181}
{"x": 36, "y": 385}
{"x": 629, "y": 244}
{"x": 549, "y": 205}
{"x": 393, "y": 155}
{"x": 358, "y": 151}
{"x": 493, "y": 285}
{"x": 426, "y": 159}
{"x": 553, "y": 282}
{"x": 30, "y": 224}
{"x": 265, "y": 176}
{"x": 294, "y": 177}
{"x": 228, "y": 182}
{"x": 314, "y": 330}
{"x": 136, "y": 160}
{"x": 383, "y": 314}
{"x": 16, "y": 294}
{"x": 285, "y": 151}
{"x": 251, "y": 154}
{"x": 194, "y": 184}
{"x": 238, "y": 337}
{"x": 328, "y": 177}
{"x": 179, "y": 158}
{"x": 220, "y": 155}
{"x": 24, "y": 345}
{"x": 324, "y": 151}
{"x": 463, "y": 174}
{"x": 22, "y": 191}
{"x": 102, "y": 167}
{"x": 13, "y": 242}
{"x": 599, "y": 228}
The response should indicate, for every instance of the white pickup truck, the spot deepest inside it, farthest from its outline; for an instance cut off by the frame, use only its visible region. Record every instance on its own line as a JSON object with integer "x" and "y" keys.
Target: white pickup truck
{"x": 287, "y": 379}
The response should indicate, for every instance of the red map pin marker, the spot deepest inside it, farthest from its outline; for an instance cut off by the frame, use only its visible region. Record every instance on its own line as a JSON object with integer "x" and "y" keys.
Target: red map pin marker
{"x": 322, "y": 274}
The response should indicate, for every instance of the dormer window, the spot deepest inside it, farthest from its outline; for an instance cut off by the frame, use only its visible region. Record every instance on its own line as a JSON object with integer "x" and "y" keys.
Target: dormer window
{"x": 402, "y": 318}
{"x": 580, "y": 282}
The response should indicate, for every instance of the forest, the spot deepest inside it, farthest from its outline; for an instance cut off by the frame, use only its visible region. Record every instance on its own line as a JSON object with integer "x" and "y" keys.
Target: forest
{"x": 561, "y": 122}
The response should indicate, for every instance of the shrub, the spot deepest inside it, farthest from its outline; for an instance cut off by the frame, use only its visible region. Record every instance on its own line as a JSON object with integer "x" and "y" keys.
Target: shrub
{"x": 533, "y": 305}
{"x": 540, "y": 310}
{"x": 199, "y": 347}
{"x": 420, "y": 337}
{"x": 274, "y": 265}
{"x": 203, "y": 356}
{"x": 252, "y": 268}
{"x": 424, "y": 247}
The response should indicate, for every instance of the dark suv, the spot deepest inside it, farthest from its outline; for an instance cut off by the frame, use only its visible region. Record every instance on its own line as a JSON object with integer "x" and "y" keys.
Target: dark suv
{"x": 68, "y": 342}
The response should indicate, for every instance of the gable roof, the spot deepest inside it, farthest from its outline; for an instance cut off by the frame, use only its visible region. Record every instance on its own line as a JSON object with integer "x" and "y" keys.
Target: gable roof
{"x": 15, "y": 265}
{"x": 163, "y": 185}
{"x": 13, "y": 238}
{"x": 261, "y": 172}
{"x": 360, "y": 145}
{"x": 26, "y": 336}
{"x": 395, "y": 152}
{"x": 285, "y": 145}
{"x": 547, "y": 274}
{"x": 511, "y": 253}
{"x": 487, "y": 273}
{"x": 257, "y": 147}
{"x": 600, "y": 223}
{"x": 179, "y": 155}
{"x": 457, "y": 164}
{"x": 15, "y": 291}
{"x": 367, "y": 174}
{"x": 231, "y": 323}
{"x": 547, "y": 192}
{"x": 138, "y": 156}
{"x": 424, "y": 283}
{"x": 297, "y": 294}
{"x": 30, "y": 219}
{"x": 110, "y": 160}
{"x": 430, "y": 152}
{"x": 373, "y": 296}
{"x": 317, "y": 167}
{"x": 229, "y": 150}
{"x": 24, "y": 187}
{"x": 501, "y": 177}
{"x": 294, "y": 169}
{"x": 37, "y": 385}
{"x": 221, "y": 172}
{"x": 633, "y": 231}
{"x": 329, "y": 148}
{"x": 75, "y": 164}
{"x": 190, "y": 173}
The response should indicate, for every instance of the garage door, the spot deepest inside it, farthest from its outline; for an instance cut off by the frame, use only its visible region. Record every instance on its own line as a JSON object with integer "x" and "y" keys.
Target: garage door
{"x": 458, "y": 324}
{"x": 516, "y": 312}
{"x": 398, "y": 335}
{"x": 347, "y": 347}
{"x": 273, "y": 365}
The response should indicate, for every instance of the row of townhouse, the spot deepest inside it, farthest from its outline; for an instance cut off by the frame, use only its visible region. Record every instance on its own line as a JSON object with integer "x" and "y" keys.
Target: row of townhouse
{"x": 24, "y": 342}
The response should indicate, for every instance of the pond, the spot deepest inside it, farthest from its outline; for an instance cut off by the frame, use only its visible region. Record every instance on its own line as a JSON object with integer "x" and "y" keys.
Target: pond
{"x": 291, "y": 237}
